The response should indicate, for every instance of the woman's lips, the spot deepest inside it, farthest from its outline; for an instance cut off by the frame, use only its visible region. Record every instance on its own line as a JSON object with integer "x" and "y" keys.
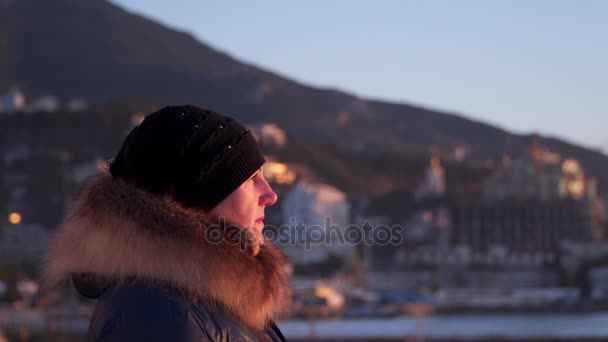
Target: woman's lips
{"x": 260, "y": 220}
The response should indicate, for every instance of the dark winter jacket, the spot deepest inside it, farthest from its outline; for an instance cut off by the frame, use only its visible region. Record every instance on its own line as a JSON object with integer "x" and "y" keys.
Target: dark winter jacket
{"x": 160, "y": 275}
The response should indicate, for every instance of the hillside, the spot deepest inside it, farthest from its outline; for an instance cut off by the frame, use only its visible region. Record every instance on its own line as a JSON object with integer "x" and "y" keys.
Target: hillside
{"x": 95, "y": 50}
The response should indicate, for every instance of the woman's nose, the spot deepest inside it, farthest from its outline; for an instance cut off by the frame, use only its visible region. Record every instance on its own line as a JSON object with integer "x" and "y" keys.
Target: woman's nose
{"x": 269, "y": 197}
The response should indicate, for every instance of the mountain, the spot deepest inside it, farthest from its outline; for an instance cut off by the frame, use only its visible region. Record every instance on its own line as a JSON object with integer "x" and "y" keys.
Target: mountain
{"x": 95, "y": 50}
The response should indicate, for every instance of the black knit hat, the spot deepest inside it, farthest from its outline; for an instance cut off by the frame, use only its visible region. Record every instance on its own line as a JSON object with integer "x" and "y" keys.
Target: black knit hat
{"x": 195, "y": 154}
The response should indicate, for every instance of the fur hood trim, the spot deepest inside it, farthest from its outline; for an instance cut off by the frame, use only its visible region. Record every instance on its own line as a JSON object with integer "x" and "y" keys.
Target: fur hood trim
{"x": 118, "y": 231}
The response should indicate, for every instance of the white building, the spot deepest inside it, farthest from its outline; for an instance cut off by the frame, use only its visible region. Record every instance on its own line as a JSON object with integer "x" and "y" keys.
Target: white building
{"x": 323, "y": 212}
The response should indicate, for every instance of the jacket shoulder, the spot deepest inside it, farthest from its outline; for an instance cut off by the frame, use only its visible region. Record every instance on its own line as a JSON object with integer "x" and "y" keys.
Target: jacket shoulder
{"x": 141, "y": 312}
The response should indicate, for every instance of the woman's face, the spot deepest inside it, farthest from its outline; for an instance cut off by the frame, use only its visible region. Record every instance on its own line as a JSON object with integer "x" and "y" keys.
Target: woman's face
{"x": 245, "y": 205}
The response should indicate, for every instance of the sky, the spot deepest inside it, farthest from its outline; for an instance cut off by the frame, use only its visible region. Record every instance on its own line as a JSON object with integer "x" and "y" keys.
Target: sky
{"x": 523, "y": 65}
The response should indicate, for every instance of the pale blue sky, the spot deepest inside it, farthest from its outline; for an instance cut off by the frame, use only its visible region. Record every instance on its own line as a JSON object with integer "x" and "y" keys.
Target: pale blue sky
{"x": 524, "y": 65}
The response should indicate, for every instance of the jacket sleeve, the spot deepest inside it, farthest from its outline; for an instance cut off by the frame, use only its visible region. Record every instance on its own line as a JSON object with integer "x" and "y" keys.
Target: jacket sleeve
{"x": 156, "y": 321}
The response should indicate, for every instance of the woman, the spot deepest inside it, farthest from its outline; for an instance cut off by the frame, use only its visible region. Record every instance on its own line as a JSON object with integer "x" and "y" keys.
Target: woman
{"x": 170, "y": 241}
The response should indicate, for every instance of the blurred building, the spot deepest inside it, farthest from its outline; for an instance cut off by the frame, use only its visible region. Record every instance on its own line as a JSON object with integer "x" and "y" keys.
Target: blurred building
{"x": 520, "y": 227}
{"x": 36, "y": 183}
{"x": 425, "y": 238}
{"x": 22, "y": 242}
{"x": 313, "y": 202}
{"x": 541, "y": 174}
{"x": 46, "y": 103}
{"x": 268, "y": 135}
{"x": 317, "y": 209}
{"x": 460, "y": 153}
{"x": 82, "y": 171}
{"x": 12, "y": 101}
{"x": 261, "y": 91}
{"x": 77, "y": 105}
{"x": 279, "y": 173}
{"x": 434, "y": 180}
{"x": 533, "y": 203}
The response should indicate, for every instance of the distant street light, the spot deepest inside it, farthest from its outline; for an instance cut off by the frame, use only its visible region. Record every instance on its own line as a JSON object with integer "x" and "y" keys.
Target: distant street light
{"x": 14, "y": 218}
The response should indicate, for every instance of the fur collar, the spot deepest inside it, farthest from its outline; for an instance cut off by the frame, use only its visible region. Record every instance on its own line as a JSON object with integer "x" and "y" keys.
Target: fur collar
{"x": 117, "y": 230}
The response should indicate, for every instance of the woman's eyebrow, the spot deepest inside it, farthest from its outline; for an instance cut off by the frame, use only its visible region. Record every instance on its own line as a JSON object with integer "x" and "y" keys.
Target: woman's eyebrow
{"x": 255, "y": 174}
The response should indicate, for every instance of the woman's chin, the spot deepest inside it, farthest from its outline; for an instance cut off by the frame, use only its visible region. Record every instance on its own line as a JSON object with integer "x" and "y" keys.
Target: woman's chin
{"x": 259, "y": 234}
